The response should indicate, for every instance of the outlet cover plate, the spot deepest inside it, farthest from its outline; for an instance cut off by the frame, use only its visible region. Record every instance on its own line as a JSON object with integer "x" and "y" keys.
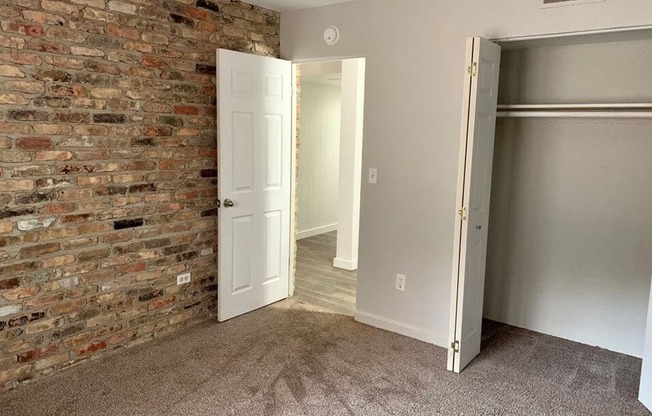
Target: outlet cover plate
{"x": 401, "y": 280}
{"x": 183, "y": 279}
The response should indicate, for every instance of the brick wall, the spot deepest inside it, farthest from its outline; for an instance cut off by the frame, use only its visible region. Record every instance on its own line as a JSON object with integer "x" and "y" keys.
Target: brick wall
{"x": 107, "y": 171}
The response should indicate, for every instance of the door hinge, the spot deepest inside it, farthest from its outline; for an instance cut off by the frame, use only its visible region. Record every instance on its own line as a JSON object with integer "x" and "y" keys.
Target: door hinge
{"x": 455, "y": 346}
{"x": 462, "y": 213}
{"x": 473, "y": 69}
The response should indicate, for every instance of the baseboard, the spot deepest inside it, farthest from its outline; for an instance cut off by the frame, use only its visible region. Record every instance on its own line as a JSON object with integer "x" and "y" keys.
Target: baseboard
{"x": 349, "y": 265}
{"x": 316, "y": 231}
{"x": 400, "y": 328}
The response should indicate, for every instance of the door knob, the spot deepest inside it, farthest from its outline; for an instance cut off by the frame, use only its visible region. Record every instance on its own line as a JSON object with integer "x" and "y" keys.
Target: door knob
{"x": 228, "y": 203}
{"x": 478, "y": 227}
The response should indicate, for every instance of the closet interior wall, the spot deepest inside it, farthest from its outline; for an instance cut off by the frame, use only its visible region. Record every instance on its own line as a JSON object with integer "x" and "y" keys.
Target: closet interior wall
{"x": 570, "y": 240}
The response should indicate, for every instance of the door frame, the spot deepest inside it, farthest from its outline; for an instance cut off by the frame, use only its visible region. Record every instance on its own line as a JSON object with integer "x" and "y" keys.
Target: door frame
{"x": 294, "y": 167}
{"x": 461, "y": 178}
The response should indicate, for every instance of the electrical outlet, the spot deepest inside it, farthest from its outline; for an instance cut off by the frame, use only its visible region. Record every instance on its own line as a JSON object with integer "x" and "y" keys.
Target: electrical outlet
{"x": 401, "y": 280}
{"x": 183, "y": 279}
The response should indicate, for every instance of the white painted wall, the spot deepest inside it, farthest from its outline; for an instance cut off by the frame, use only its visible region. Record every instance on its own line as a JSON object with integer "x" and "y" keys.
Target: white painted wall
{"x": 319, "y": 155}
{"x": 413, "y": 106}
{"x": 348, "y": 234}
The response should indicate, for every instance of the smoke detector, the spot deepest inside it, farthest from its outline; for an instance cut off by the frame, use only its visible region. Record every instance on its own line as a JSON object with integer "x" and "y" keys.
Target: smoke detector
{"x": 331, "y": 35}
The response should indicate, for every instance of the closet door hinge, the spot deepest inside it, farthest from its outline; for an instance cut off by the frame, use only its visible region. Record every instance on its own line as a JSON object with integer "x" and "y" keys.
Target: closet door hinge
{"x": 455, "y": 346}
{"x": 462, "y": 213}
{"x": 473, "y": 69}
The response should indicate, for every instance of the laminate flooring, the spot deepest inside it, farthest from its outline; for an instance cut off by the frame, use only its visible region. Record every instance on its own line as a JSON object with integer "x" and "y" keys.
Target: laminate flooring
{"x": 317, "y": 281}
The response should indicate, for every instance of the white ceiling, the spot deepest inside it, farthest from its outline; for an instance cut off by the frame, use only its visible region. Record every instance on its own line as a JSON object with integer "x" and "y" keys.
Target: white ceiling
{"x": 293, "y": 4}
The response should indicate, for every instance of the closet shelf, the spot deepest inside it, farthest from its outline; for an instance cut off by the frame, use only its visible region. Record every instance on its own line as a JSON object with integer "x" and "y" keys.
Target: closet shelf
{"x": 603, "y": 106}
{"x": 605, "y": 110}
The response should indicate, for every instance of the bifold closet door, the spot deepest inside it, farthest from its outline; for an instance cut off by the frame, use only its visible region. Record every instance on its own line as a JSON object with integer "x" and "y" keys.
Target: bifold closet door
{"x": 474, "y": 194}
{"x": 254, "y": 150}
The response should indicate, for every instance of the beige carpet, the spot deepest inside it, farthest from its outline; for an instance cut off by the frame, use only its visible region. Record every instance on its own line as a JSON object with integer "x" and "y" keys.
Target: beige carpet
{"x": 294, "y": 359}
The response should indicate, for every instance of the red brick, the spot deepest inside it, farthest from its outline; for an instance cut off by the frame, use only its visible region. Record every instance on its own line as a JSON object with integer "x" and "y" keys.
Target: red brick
{"x": 90, "y": 348}
{"x": 154, "y": 62}
{"x": 186, "y": 109}
{"x": 34, "y": 143}
{"x": 124, "y": 32}
{"x": 161, "y": 303}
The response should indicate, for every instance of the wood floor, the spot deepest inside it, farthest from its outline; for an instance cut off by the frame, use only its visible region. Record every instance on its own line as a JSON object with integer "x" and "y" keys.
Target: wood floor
{"x": 317, "y": 281}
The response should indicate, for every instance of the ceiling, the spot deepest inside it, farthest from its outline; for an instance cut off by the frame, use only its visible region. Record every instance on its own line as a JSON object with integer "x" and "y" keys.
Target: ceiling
{"x": 293, "y": 4}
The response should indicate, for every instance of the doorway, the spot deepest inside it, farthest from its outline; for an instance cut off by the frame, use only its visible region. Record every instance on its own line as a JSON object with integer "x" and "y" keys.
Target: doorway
{"x": 327, "y": 172}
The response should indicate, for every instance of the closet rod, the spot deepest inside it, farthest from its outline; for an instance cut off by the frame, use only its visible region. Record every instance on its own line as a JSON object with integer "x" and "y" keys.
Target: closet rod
{"x": 576, "y": 114}
{"x": 602, "y": 106}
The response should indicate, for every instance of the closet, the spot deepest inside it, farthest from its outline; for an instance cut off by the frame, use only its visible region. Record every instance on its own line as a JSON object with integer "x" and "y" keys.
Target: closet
{"x": 569, "y": 242}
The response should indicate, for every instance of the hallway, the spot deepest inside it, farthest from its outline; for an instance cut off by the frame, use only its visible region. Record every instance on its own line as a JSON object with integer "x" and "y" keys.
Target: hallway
{"x": 317, "y": 281}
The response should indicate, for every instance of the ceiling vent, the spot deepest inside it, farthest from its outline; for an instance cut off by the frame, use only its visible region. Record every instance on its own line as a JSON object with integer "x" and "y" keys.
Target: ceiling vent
{"x": 560, "y": 3}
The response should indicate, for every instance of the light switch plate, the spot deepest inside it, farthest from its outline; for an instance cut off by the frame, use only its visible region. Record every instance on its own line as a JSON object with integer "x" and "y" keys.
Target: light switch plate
{"x": 373, "y": 176}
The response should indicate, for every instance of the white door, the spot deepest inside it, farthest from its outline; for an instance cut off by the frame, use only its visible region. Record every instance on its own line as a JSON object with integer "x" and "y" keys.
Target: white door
{"x": 645, "y": 392}
{"x": 254, "y": 145}
{"x": 474, "y": 192}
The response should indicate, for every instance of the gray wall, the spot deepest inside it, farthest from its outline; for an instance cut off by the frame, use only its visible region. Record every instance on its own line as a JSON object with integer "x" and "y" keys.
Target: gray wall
{"x": 415, "y": 52}
{"x": 570, "y": 235}
{"x": 605, "y": 72}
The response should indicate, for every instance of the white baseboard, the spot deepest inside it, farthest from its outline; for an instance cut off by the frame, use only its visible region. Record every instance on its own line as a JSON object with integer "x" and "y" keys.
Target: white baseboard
{"x": 316, "y": 231}
{"x": 349, "y": 265}
{"x": 400, "y": 328}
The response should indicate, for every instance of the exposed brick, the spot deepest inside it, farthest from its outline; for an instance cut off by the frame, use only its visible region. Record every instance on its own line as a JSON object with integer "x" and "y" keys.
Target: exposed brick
{"x": 59, "y": 6}
{"x": 120, "y": 6}
{"x": 34, "y": 142}
{"x": 161, "y": 303}
{"x": 109, "y": 118}
{"x": 186, "y": 109}
{"x": 92, "y": 347}
{"x": 122, "y": 224}
{"x": 28, "y": 115}
{"x": 154, "y": 38}
{"x": 53, "y": 155}
{"x": 177, "y": 18}
{"x": 209, "y": 5}
{"x": 124, "y": 32}
{"x": 7, "y": 185}
{"x": 14, "y": 99}
{"x": 43, "y": 326}
{"x": 9, "y": 283}
{"x": 36, "y": 251}
{"x": 29, "y": 87}
{"x": 101, "y": 196}
{"x": 35, "y": 197}
{"x": 206, "y": 69}
{"x": 37, "y": 353}
{"x": 154, "y": 62}
{"x": 58, "y": 261}
{"x": 11, "y": 71}
{"x": 80, "y": 50}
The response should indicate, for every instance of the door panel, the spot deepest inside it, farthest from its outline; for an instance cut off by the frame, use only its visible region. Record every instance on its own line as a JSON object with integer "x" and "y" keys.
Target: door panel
{"x": 254, "y": 146}
{"x": 474, "y": 192}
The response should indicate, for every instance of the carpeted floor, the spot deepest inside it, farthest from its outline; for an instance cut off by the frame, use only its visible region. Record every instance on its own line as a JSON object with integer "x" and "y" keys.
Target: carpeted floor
{"x": 296, "y": 359}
